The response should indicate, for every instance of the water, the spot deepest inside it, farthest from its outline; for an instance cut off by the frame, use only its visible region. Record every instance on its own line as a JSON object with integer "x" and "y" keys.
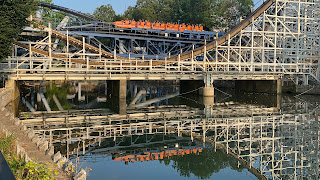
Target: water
{"x": 243, "y": 136}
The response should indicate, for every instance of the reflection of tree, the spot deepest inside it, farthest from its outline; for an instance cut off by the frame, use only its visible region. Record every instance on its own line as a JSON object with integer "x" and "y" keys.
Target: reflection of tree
{"x": 61, "y": 93}
{"x": 204, "y": 164}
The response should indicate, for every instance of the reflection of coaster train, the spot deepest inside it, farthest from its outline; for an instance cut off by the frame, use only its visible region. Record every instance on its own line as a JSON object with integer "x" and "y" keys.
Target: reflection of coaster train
{"x": 129, "y": 24}
{"x": 148, "y": 156}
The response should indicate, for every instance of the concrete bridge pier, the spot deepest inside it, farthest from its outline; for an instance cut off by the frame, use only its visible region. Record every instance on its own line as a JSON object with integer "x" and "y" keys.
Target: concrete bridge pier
{"x": 15, "y": 95}
{"x": 198, "y": 87}
{"x": 208, "y": 91}
{"x": 279, "y": 93}
{"x": 13, "y": 84}
{"x": 279, "y": 86}
{"x": 119, "y": 89}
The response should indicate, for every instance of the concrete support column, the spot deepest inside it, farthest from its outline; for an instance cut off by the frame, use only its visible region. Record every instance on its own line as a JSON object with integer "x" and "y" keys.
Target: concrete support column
{"x": 279, "y": 101}
{"x": 122, "y": 106}
{"x": 15, "y": 89}
{"x": 123, "y": 97}
{"x": 106, "y": 89}
{"x": 123, "y": 88}
{"x": 208, "y": 92}
{"x": 119, "y": 89}
{"x": 279, "y": 86}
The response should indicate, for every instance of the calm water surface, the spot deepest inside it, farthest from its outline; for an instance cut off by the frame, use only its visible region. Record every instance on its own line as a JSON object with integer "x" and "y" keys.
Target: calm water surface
{"x": 239, "y": 136}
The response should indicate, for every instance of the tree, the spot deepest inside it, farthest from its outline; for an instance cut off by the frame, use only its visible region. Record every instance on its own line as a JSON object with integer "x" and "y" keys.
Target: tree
{"x": 227, "y": 13}
{"x": 51, "y": 15}
{"x": 13, "y": 14}
{"x": 105, "y": 13}
{"x": 152, "y": 10}
{"x": 204, "y": 164}
{"x": 218, "y": 15}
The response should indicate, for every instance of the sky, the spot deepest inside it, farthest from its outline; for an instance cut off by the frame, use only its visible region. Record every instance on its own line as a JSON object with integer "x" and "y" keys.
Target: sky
{"x": 88, "y": 6}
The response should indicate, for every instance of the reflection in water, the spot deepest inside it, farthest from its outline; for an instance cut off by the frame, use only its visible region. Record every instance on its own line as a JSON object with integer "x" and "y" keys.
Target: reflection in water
{"x": 197, "y": 141}
{"x": 149, "y": 156}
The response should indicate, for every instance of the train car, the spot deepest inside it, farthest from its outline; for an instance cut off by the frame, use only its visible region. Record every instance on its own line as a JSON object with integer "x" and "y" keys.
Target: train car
{"x": 129, "y": 24}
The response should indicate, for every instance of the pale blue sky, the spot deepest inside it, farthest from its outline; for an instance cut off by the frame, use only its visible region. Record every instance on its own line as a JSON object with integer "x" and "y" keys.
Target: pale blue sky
{"x": 88, "y": 6}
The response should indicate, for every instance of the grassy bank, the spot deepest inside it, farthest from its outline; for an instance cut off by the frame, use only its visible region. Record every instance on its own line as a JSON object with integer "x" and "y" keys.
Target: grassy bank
{"x": 19, "y": 167}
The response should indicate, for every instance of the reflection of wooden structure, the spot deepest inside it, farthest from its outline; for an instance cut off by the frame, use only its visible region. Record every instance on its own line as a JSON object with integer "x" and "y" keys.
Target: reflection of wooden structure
{"x": 283, "y": 145}
{"x": 148, "y": 156}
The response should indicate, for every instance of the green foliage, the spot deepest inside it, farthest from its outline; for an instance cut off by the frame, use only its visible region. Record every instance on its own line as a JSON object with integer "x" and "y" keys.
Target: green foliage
{"x": 61, "y": 93}
{"x": 33, "y": 170}
{"x": 19, "y": 167}
{"x": 55, "y": 17}
{"x": 152, "y": 10}
{"x": 226, "y": 13}
{"x": 7, "y": 144}
{"x": 105, "y": 13}
{"x": 12, "y": 20}
{"x": 217, "y": 15}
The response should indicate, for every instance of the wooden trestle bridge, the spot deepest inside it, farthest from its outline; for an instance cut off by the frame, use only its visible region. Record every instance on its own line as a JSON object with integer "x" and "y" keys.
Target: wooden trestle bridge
{"x": 279, "y": 40}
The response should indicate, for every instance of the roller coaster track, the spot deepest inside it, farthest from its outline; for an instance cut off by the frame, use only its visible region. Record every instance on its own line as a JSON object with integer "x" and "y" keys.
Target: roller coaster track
{"x": 72, "y": 40}
{"x": 198, "y": 51}
{"x": 233, "y": 32}
{"x": 78, "y": 43}
{"x": 67, "y": 10}
{"x": 186, "y": 55}
{"x": 53, "y": 55}
{"x": 64, "y": 58}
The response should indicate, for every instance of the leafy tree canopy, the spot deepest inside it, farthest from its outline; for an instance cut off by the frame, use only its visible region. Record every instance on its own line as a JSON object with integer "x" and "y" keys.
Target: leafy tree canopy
{"x": 217, "y": 15}
{"x": 13, "y": 14}
{"x": 105, "y": 13}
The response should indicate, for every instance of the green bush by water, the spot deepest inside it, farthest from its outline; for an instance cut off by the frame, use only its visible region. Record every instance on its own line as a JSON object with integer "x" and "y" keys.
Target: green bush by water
{"x": 19, "y": 167}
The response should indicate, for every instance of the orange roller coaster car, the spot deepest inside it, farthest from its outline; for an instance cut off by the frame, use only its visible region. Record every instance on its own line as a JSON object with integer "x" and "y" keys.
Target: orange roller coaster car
{"x": 128, "y": 24}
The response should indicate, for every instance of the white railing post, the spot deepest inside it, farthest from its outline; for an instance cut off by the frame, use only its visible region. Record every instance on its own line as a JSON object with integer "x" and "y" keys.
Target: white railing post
{"x": 179, "y": 58}
{"x": 68, "y": 54}
{"x": 150, "y": 65}
{"x": 50, "y": 46}
{"x": 100, "y": 53}
{"x": 165, "y": 64}
{"x": 68, "y": 42}
{"x": 30, "y": 56}
{"x": 216, "y": 65}
{"x": 228, "y": 52}
{"x": 83, "y": 47}
{"x": 192, "y": 60}
{"x": 205, "y": 50}
{"x": 87, "y": 64}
